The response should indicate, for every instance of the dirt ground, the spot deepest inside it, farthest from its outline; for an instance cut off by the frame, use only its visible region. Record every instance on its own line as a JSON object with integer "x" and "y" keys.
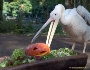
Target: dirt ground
{"x": 10, "y": 42}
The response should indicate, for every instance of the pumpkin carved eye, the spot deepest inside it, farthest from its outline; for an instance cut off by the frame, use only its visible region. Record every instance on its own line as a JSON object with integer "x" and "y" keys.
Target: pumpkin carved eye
{"x": 35, "y": 48}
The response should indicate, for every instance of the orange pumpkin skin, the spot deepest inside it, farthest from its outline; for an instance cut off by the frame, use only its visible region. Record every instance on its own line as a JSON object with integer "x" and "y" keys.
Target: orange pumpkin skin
{"x": 38, "y": 49}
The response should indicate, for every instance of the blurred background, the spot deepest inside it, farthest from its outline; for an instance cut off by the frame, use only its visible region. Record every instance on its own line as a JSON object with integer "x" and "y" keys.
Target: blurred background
{"x": 27, "y": 16}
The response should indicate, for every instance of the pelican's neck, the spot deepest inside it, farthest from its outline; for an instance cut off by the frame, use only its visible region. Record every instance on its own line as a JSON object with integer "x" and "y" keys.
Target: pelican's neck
{"x": 64, "y": 19}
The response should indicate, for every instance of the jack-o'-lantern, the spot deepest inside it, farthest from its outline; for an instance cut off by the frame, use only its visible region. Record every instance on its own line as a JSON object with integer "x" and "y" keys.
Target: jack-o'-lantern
{"x": 38, "y": 49}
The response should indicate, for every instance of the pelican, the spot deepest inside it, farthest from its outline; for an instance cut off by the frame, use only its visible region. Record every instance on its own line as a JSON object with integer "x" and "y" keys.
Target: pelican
{"x": 72, "y": 22}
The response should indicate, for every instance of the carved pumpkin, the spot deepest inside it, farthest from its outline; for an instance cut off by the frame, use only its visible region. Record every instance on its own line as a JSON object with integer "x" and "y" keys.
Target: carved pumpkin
{"x": 38, "y": 49}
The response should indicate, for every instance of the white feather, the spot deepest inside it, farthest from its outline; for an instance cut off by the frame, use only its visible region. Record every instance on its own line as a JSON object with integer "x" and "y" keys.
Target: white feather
{"x": 84, "y": 13}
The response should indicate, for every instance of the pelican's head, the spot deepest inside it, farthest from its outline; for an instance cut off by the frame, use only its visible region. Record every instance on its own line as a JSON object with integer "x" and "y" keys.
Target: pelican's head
{"x": 57, "y": 12}
{"x": 55, "y": 15}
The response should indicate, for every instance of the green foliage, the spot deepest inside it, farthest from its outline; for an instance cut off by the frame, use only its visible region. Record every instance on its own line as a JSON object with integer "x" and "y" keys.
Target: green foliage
{"x": 5, "y": 7}
{"x": 62, "y": 52}
{"x": 3, "y": 64}
{"x": 15, "y": 27}
{"x": 58, "y": 31}
{"x": 18, "y": 57}
{"x": 41, "y": 8}
{"x": 30, "y": 6}
{"x": 15, "y": 7}
{"x": 26, "y": 28}
{"x": 7, "y": 26}
{"x": 18, "y": 54}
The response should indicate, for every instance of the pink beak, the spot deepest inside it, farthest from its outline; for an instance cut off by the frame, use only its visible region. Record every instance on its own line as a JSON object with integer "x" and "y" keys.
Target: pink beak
{"x": 48, "y": 21}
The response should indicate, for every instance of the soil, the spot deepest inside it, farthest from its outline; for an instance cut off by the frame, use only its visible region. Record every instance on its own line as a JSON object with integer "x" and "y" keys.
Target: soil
{"x": 9, "y": 42}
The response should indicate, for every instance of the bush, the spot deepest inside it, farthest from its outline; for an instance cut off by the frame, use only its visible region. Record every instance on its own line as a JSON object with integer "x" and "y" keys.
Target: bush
{"x": 26, "y": 28}
{"x": 59, "y": 29}
{"x": 7, "y": 26}
{"x": 12, "y": 26}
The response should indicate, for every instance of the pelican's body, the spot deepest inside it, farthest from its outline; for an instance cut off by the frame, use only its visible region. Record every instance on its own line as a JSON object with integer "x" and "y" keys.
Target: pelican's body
{"x": 76, "y": 27}
{"x": 72, "y": 22}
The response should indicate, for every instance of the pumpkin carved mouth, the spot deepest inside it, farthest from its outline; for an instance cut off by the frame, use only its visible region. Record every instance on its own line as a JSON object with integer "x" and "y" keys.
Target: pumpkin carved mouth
{"x": 41, "y": 53}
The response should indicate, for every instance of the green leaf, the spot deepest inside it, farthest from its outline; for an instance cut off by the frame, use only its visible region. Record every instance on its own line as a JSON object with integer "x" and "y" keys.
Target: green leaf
{"x": 3, "y": 64}
{"x": 18, "y": 54}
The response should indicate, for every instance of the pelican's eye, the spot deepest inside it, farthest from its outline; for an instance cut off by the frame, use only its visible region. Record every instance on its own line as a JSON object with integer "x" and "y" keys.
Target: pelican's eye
{"x": 55, "y": 14}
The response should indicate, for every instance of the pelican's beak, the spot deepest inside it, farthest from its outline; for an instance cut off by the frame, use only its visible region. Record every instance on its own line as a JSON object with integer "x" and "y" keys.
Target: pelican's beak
{"x": 47, "y": 22}
{"x": 51, "y": 32}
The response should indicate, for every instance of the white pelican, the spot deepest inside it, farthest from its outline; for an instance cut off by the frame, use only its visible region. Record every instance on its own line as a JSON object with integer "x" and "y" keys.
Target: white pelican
{"x": 73, "y": 24}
